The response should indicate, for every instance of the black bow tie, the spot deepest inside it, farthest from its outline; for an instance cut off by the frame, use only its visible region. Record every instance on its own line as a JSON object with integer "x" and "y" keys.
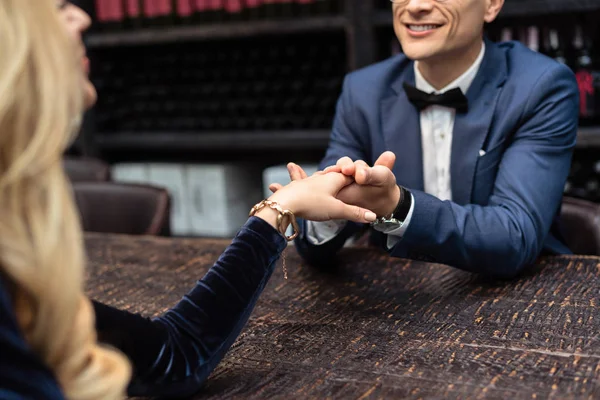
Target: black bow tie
{"x": 453, "y": 98}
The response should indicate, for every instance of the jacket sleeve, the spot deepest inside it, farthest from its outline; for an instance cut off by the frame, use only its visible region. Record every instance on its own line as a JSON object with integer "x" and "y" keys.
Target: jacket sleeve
{"x": 507, "y": 234}
{"x": 173, "y": 355}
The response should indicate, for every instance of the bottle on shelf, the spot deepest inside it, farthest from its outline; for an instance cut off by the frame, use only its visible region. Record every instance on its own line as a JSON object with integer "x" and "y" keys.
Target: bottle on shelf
{"x": 233, "y": 10}
{"x": 185, "y": 10}
{"x": 506, "y": 35}
{"x": 271, "y": 9}
{"x": 110, "y": 15}
{"x": 166, "y": 12}
{"x": 150, "y": 12}
{"x": 555, "y": 48}
{"x": 133, "y": 14}
{"x": 252, "y": 10}
{"x": 533, "y": 38}
{"x": 215, "y": 11}
{"x": 588, "y": 79}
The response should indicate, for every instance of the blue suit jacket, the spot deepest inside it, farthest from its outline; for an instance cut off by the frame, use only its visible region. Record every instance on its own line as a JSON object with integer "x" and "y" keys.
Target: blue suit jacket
{"x": 523, "y": 111}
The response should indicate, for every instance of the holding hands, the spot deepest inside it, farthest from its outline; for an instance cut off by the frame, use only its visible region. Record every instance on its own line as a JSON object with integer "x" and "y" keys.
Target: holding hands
{"x": 349, "y": 188}
{"x": 374, "y": 187}
{"x": 315, "y": 198}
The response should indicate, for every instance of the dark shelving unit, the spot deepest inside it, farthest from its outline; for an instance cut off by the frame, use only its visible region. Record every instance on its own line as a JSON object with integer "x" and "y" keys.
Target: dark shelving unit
{"x": 359, "y": 21}
{"x": 213, "y": 141}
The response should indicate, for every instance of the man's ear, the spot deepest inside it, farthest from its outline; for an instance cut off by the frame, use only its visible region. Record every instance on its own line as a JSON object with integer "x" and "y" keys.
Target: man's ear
{"x": 492, "y": 9}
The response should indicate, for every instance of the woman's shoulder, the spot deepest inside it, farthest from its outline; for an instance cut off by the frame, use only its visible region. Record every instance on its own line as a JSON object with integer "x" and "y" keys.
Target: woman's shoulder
{"x": 19, "y": 366}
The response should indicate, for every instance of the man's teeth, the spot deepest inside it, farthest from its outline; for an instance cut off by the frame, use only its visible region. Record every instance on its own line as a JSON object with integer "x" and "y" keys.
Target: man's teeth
{"x": 422, "y": 28}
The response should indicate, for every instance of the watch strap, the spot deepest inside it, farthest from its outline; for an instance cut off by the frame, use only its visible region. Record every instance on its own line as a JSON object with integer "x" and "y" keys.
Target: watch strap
{"x": 402, "y": 209}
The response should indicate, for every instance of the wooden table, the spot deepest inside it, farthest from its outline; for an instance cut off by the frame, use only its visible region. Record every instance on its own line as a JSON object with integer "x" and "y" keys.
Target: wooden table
{"x": 379, "y": 327}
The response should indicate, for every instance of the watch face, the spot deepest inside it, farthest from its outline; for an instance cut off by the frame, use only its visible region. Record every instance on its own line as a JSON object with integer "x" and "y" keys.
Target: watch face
{"x": 387, "y": 226}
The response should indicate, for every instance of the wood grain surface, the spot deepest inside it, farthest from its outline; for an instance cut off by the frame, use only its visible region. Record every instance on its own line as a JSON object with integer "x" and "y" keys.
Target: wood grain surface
{"x": 379, "y": 327}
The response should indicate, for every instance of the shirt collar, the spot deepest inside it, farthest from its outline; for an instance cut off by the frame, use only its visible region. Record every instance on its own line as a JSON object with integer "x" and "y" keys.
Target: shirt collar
{"x": 463, "y": 82}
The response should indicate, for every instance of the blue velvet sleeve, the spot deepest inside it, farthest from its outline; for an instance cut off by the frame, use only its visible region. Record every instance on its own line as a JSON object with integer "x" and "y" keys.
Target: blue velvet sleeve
{"x": 173, "y": 354}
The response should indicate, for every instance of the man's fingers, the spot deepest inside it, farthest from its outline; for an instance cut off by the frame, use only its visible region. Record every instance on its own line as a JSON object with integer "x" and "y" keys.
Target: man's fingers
{"x": 347, "y": 165}
{"x": 296, "y": 173}
{"x": 376, "y": 176}
{"x": 361, "y": 164}
{"x": 386, "y": 159}
{"x": 302, "y": 172}
{"x": 273, "y": 187}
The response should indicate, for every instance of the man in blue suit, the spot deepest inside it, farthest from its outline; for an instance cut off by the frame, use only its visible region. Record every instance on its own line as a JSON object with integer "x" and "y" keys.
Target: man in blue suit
{"x": 482, "y": 134}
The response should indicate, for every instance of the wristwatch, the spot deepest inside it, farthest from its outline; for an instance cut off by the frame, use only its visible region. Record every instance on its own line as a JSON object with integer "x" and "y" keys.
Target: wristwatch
{"x": 396, "y": 219}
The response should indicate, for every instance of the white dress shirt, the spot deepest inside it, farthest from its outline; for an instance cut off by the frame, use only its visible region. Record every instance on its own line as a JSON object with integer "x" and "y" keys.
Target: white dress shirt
{"x": 437, "y": 125}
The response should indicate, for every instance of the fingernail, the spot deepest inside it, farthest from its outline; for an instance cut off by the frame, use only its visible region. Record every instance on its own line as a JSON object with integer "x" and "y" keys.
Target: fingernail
{"x": 370, "y": 216}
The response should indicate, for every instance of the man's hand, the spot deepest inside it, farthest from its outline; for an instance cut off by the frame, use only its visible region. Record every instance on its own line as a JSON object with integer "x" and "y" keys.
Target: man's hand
{"x": 375, "y": 187}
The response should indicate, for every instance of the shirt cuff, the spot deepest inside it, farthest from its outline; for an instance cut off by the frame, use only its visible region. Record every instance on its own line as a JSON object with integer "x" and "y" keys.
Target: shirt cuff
{"x": 320, "y": 232}
{"x": 397, "y": 234}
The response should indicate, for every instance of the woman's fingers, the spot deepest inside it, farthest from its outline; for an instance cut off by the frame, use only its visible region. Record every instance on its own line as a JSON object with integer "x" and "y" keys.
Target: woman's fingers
{"x": 353, "y": 213}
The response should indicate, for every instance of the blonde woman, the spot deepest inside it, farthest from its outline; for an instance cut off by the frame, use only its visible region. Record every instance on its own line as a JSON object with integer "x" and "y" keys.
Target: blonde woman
{"x": 48, "y": 342}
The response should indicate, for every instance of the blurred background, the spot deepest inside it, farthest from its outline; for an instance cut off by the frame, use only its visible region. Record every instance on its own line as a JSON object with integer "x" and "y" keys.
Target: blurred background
{"x": 209, "y": 99}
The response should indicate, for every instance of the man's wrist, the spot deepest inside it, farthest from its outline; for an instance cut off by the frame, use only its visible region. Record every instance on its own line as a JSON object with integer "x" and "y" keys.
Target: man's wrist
{"x": 396, "y": 199}
{"x": 401, "y": 211}
{"x": 402, "y": 205}
{"x": 396, "y": 218}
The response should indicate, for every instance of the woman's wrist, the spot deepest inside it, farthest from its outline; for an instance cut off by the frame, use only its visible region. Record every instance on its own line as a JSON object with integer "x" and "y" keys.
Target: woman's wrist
{"x": 286, "y": 202}
{"x": 277, "y": 215}
{"x": 270, "y": 216}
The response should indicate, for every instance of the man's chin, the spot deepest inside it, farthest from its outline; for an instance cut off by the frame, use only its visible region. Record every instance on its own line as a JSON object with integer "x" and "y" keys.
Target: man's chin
{"x": 419, "y": 53}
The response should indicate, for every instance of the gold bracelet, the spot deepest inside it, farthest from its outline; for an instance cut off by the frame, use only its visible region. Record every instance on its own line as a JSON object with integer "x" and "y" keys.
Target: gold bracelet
{"x": 280, "y": 218}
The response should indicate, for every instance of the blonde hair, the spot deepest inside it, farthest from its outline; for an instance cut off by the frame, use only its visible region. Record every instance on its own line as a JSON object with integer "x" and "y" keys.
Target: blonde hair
{"x": 41, "y": 247}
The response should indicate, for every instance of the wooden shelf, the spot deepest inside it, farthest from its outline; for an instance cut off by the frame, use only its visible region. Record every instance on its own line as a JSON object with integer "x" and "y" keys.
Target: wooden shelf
{"x": 252, "y": 140}
{"x": 216, "y": 31}
{"x": 588, "y": 137}
{"x": 516, "y": 8}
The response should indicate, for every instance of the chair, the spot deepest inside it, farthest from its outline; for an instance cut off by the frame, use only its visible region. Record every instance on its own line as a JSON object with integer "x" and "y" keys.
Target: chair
{"x": 133, "y": 209}
{"x": 86, "y": 169}
{"x": 580, "y": 220}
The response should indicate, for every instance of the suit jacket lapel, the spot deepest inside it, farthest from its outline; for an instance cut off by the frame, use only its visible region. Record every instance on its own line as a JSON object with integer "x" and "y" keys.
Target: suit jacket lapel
{"x": 471, "y": 129}
{"x": 402, "y": 131}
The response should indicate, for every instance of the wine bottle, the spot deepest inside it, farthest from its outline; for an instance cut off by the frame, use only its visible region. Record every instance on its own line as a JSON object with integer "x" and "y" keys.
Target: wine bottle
{"x": 150, "y": 12}
{"x": 506, "y": 35}
{"x": 533, "y": 38}
{"x": 215, "y": 11}
{"x": 252, "y": 9}
{"x": 556, "y": 47}
{"x": 184, "y": 11}
{"x": 588, "y": 79}
{"x": 232, "y": 10}
{"x": 134, "y": 15}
